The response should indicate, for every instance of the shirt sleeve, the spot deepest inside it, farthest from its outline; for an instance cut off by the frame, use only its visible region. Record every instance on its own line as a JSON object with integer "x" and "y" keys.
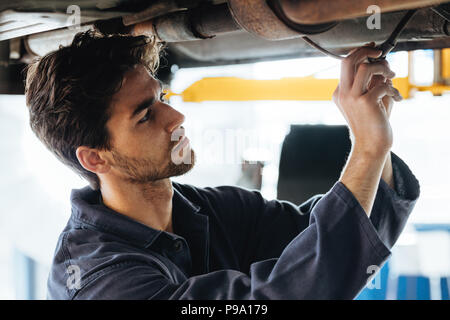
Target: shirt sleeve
{"x": 261, "y": 229}
{"x": 390, "y": 212}
{"x": 392, "y": 207}
{"x": 331, "y": 259}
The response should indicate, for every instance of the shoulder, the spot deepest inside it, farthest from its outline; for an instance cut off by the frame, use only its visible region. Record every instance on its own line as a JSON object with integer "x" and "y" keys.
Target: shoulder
{"x": 87, "y": 259}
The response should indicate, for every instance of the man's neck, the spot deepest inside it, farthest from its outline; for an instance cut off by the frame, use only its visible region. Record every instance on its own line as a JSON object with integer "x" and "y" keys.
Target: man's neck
{"x": 149, "y": 204}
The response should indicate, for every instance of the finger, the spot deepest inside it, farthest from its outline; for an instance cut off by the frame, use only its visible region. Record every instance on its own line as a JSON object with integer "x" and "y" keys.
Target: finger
{"x": 389, "y": 82}
{"x": 364, "y": 53}
{"x": 352, "y": 51}
{"x": 382, "y": 90}
{"x": 376, "y": 80}
{"x": 398, "y": 97}
{"x": 388, "y": 103}
{"x": 350, "y": 63}
{"x": 365, "y": 73}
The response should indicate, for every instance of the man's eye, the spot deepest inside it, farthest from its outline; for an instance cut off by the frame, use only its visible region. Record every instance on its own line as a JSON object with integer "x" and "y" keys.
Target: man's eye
{"x": 146, "y": 117}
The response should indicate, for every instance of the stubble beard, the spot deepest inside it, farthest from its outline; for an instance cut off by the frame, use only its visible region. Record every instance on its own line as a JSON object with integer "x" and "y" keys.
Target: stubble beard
{"x": 144, "y": 170}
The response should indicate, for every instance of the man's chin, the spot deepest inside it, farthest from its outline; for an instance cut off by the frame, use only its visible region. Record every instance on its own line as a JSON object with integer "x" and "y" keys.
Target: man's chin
{"x": 176, "y": 170}
{"x": 142, "y": 171}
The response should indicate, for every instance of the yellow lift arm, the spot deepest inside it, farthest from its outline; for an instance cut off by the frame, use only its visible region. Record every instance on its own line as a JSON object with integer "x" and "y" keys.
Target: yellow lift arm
{"x": 296, "y": 89}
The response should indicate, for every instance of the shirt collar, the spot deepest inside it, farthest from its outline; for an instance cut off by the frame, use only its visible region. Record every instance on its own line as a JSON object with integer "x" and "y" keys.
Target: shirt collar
{"x": 87, "y": 208}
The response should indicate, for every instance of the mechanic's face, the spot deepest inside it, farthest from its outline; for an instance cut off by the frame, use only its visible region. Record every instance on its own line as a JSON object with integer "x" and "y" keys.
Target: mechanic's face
{"x": 144, "y": 132}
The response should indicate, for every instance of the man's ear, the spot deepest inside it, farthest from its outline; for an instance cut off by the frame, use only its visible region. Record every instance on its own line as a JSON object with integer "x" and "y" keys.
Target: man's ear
{"x": 91, "y": 160}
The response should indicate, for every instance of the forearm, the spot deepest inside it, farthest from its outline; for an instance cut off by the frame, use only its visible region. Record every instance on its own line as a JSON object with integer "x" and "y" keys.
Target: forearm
{"x": 361, "y": 176}
{"x": 365, "y": 97}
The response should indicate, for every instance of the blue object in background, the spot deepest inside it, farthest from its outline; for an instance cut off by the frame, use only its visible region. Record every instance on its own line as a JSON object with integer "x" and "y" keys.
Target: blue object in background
{"x": 25, "y": 276}
{"x": 375, "y": 293}
{"x": 409, "y": 288}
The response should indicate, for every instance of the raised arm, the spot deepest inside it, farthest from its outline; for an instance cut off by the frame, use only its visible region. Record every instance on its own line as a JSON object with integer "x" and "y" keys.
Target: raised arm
{"x": 365, "y": 96}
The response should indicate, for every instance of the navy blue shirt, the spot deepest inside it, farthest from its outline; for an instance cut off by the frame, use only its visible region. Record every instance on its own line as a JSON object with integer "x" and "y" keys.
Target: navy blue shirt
{"x": 231, "y": 243}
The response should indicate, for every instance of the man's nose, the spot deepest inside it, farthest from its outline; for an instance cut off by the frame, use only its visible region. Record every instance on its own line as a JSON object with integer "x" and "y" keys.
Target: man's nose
{"x": 175, "y": 119}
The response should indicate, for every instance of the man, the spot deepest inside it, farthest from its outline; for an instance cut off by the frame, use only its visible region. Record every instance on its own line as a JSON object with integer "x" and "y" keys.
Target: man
{"x": 135, "y": 234}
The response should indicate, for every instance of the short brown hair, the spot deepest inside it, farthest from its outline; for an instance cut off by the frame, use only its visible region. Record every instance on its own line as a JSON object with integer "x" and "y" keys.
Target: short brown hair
{"x": 68, "y": 91}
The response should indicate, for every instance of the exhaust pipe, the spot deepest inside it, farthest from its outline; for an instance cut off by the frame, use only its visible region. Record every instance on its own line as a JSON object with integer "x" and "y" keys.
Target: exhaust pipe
{"x": 323, "y": 11}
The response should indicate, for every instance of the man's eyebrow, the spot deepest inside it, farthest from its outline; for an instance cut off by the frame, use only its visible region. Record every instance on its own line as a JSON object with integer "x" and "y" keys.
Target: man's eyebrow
{"x": 146, "y": 103}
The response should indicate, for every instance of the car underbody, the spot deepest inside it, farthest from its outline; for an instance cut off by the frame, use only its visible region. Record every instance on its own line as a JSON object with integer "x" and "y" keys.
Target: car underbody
{"x": 220, "y": 32}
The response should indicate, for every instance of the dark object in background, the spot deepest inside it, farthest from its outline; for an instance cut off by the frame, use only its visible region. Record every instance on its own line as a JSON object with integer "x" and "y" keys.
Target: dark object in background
{"x": 11, "y": 73}
{"x": 12, "y": 79}
{"x": 311, "y": 161}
